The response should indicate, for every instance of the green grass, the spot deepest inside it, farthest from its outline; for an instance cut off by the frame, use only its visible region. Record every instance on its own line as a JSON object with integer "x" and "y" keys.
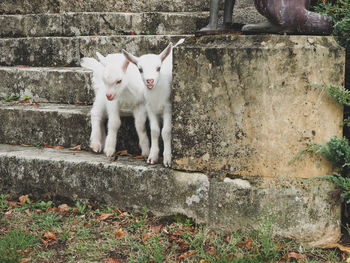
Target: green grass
{"x": 13, "y": 245}
{"x": 85, "y": 234}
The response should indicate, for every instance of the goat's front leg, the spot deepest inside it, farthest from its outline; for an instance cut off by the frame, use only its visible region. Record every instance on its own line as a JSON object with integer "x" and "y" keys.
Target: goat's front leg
{"x": 140, "y": 116}
{"x": 113, "y": 127}
{"x": 98, "y": 132}
{"x": 166, "y": 135}
{"x": 155, "y": 131}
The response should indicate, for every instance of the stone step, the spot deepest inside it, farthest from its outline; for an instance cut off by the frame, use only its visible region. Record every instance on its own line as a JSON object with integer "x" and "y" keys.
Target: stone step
{"x": 60, "y": 6}
{"x": 304, "y": 211}
{"x": 57, "y": 124}
{"x": 88, "y": 24}
{"x": 55, "y": 85}
{"x": 67, "y": 51}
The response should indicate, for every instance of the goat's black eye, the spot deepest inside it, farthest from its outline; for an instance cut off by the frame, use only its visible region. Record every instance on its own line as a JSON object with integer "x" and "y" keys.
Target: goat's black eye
{"x": 158, "y": 69}
{"x": 141, "y": 70}
{"x": 119, "y": 81}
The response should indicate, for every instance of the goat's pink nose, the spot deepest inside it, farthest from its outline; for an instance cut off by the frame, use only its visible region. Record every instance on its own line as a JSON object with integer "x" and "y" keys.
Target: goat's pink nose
{"x": 150, "y": 81}
{"x": 109, "y": 96}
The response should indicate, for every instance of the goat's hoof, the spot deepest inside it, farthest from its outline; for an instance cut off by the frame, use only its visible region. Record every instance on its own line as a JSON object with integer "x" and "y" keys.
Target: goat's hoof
{"x": 145, "y": 153}
{"x": 150, "y": 161}
{"x": 109, "y": 152}
{"x": 96, "y": 147}
{"x": 167, "y": 163}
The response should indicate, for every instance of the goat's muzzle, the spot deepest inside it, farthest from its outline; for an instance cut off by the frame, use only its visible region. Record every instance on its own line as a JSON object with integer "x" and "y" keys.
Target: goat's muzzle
{"x": 150, "y": 83}
{"x": 109, "y": 96}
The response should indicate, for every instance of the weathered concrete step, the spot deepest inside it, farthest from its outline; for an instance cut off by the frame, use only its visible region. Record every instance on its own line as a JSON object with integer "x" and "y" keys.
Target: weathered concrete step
{"x": 303, "y": 210}
{"x": 55, "y": 85}
{"x": 88, "y": 24}
{"x": 64, "y": 51}
{"x": 55, "y": 124}
{"x": 55, "y": 6}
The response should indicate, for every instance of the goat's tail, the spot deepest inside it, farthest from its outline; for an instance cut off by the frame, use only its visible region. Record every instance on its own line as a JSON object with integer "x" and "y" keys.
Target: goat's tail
{"x": 179, "y": 42}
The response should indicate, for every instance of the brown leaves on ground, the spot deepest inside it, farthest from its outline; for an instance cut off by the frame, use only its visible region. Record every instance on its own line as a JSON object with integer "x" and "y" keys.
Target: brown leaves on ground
{"x": 104, "y": 216}
{"x": 119, "y": 233}
{"x": 296, "y": 255}
{"x": 123, "y": 153}
{"x": 22, "y": 199}
{"x": 59, "y": 147}
{"x": 50, "y": 235}
{"x": 50, "y": 239}
{"x": 112, "y": 260}
{"x": 247, "y": 243}
{"x": 64, "y": 208}
{"x": 187, "y": 255}
{"x": 339, "y": 246}
{"x": 75, "y": 148}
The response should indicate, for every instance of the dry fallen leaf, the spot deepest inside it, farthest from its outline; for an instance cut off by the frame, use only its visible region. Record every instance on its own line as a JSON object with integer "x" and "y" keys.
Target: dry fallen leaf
{"x": 50, "y": 235}
{"x": 63, "y": 208}
{"x": 22, "y": 199}
{"x": 27, "y": 212}
{"x": 123, "y": 153}
{"x": 341, "y": 247}
{"x": 187, "y": 255}
{"x": 75, "y": 148}
{"x": 45, "y": 243}
{"x": 146, "y": 236}
{"x": 139, "y": 157}
{"x": 25, "y": 260}
{"x": 21, "y": 66}
{"x": 58, "y": 147}
{"x": 112, "y": 260}
{"x": 119, "y": 233}
{"x": 104, "y": 216}
{"x": 296, "y": 255}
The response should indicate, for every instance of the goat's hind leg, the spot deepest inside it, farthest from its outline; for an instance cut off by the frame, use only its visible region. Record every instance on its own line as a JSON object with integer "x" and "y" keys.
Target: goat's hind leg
{"x": 140, "y": 116}
{"x": 166, "y": 135}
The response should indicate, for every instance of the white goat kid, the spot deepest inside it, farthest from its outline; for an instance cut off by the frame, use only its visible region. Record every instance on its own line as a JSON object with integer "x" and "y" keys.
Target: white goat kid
{"x": 156, "y": 71}
{"x": 115, "y": 84}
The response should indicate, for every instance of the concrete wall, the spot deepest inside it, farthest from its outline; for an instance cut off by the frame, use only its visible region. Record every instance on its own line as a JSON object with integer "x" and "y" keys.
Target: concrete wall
{"x": 243, "y": 105}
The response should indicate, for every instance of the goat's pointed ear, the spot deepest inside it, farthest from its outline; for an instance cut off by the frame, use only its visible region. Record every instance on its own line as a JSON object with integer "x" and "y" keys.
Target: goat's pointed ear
{"x": 125, "y": 65}
{"x": 101, "y": 58}
{"x": 130, "y": 57}
{"x": 166, "y": 52}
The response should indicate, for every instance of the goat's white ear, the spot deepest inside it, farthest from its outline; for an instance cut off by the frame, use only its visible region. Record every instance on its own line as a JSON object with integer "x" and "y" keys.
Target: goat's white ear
{"x": 125, "y": 65}
{"x": 90, "y": 63}
{"x": 101, "y": 58}
{"x": 166, "y": 52}
{"x": 130, "y": 57}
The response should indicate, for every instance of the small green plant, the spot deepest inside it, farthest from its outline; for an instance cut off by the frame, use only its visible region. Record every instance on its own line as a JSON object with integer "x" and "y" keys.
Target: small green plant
{"x": 8, "y": 98}
{"x": 38, "y": 144}
{"x": 3, "y": 202}
{"x": 339, "y": 10}
{"x": 81, "y": 207}
{"x": 28, "y": 204}
{"x": 339, "y": 94}
{"x": 48, "y": 221}
{"x": 337, "y": 152}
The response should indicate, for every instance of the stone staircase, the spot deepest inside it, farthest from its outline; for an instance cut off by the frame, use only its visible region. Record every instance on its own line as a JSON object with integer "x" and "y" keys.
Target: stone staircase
{"x": 41, "y": 44}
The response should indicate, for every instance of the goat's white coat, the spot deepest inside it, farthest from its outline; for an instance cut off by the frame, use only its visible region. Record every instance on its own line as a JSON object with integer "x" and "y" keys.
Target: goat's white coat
{"x": 157, "y": 89}
{"x": 106, "y": 73}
